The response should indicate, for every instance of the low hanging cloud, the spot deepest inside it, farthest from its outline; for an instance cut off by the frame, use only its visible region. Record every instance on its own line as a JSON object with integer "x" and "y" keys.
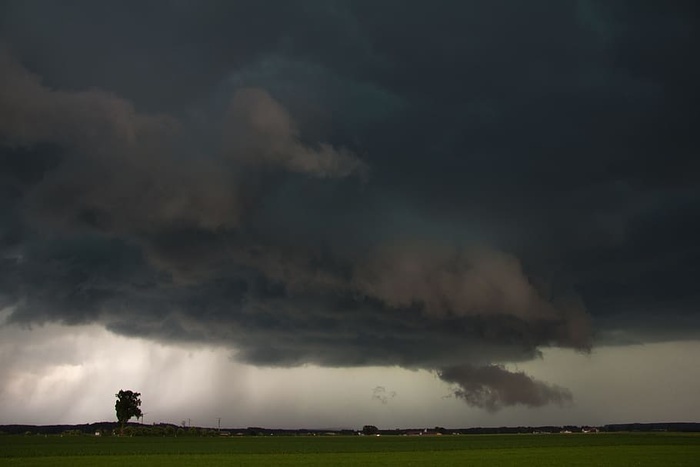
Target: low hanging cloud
{"x": 150, "y": 239}
{"x": 478, "y": 282}
{"x": 492, "y": 387}
{"x": 213, "y": 193}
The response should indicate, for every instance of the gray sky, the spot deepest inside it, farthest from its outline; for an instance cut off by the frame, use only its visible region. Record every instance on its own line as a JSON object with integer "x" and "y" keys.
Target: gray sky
{"x": 319, "y": 213}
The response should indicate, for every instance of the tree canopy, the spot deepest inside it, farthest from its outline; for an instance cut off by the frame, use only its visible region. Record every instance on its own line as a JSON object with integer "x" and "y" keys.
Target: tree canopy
{"x": 127, "y": 406}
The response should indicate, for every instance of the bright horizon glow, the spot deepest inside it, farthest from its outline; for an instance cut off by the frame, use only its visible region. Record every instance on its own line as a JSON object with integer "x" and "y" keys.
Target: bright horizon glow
{"x": 69, "y": 375}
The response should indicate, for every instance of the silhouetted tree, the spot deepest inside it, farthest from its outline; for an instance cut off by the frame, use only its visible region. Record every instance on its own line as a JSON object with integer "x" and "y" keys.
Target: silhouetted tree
{"x": 127, "y": 406}
{"x": 370, "y": 430}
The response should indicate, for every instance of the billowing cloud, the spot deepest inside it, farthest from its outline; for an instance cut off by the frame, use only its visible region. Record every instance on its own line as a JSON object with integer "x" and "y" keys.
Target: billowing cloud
{"x": 493, "y": 387}
{"x": 117, "y": 170}
{"x": 442, "y": 189}
{"x": 260, "y": 132}
{"x": 91, "y": 120}
{"x": 148, "y": 232}
{"x": 480, "y": 283}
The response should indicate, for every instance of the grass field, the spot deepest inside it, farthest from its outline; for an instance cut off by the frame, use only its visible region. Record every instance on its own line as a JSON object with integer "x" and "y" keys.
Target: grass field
{"x": 620, "y": 449}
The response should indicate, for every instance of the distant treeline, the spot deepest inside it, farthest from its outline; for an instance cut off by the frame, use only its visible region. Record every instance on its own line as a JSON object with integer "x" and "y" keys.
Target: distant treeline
{"x": 107, "y": 429}
{"x": 167, "y": 429}
{"x": 673, "y": 426}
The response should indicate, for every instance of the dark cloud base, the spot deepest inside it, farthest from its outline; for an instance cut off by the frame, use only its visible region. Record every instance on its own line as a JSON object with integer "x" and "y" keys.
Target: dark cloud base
{"x": 445, "y": 187}
{"x": 493, "y": 387}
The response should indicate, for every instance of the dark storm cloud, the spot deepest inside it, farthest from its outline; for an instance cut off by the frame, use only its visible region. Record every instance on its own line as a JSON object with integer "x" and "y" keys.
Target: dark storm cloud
{"x": 421, "y": 184}
{"x": 493, "y": 387}
{"x": 260, "y": 132}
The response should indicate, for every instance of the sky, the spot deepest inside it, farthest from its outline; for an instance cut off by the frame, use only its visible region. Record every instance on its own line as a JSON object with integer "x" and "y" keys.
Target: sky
{"x": 326, "y": 213}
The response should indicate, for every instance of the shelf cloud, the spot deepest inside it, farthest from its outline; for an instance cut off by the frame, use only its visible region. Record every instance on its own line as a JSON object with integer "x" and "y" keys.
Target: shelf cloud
{"x": 453, "y": 191}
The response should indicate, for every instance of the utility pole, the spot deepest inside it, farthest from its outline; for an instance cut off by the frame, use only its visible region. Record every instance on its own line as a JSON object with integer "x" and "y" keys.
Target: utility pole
{"x": 219, "y": 419}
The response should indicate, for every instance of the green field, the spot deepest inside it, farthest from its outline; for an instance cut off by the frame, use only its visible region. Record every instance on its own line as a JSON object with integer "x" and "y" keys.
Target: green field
{"x": 620, "y": 449}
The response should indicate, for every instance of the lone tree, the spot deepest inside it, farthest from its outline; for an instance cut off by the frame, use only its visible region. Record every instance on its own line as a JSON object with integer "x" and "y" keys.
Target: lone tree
{"x": 127, "y": 406}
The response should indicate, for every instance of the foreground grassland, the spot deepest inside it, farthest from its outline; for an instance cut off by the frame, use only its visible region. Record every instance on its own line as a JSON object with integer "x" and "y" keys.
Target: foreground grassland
{"x": 603, "y": 449}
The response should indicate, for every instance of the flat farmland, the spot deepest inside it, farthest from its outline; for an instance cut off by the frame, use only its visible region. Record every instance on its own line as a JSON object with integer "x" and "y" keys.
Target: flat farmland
{"x": 604, "y": 449}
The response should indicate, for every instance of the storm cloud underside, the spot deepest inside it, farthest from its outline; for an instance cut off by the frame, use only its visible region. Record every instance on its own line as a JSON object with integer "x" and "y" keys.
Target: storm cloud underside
{"x": 453, "y": 191}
